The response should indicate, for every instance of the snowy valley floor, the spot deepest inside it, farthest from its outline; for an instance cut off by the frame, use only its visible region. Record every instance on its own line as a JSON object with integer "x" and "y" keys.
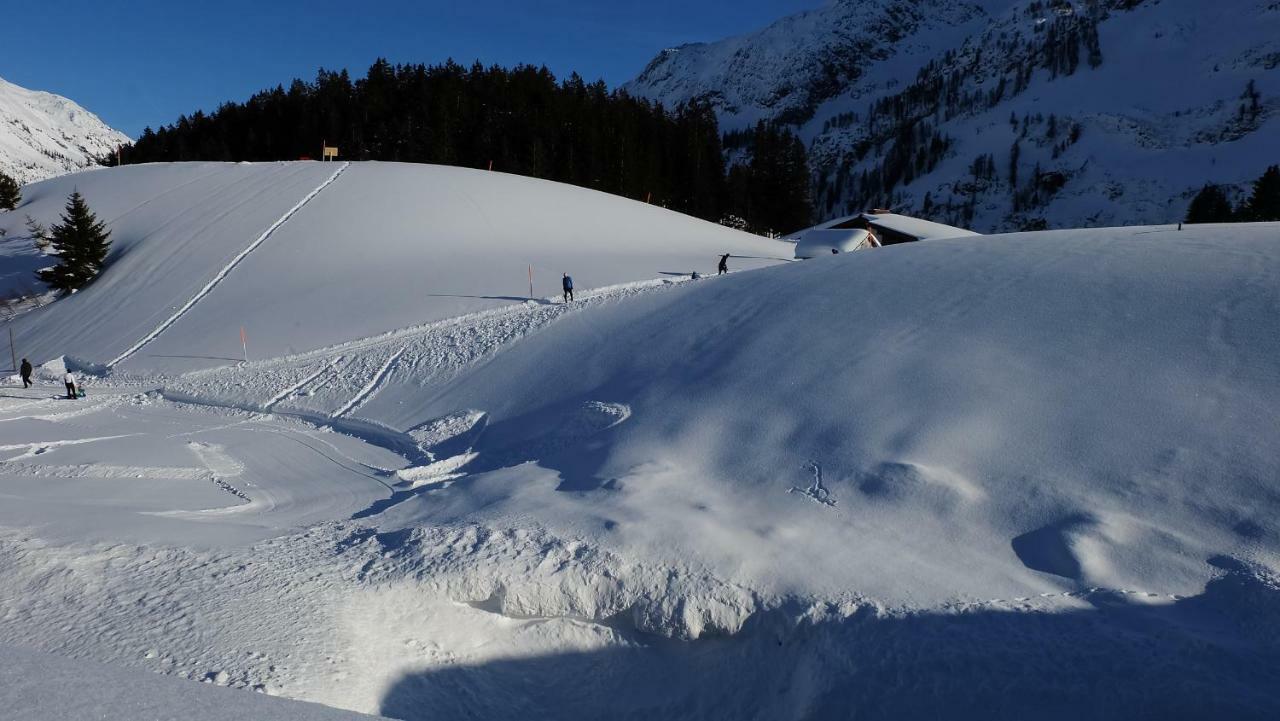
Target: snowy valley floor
{"x": 1003, "y": 478}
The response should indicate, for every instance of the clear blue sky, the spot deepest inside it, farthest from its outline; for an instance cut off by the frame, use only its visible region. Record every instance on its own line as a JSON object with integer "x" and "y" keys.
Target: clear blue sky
{"x": 143, "y": 62}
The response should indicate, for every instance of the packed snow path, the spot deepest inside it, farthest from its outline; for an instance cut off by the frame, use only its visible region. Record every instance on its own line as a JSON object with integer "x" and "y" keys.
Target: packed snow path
{"x": 378, "y": 378}
{"x": 226, "y": 270}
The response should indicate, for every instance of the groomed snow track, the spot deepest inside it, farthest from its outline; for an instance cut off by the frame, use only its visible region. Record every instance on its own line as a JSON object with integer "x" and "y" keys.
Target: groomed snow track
{"x": 226, "y": 270}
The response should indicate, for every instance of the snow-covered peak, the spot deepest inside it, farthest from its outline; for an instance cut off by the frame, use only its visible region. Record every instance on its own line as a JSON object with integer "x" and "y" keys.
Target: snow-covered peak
{"x": 790, "y": 67}
{"x": 43, "y": 135}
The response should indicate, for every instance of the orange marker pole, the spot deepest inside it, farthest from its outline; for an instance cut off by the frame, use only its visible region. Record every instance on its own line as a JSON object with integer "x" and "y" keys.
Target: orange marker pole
{"x": 244, "y": 343}
{"x": 531, "y": 282}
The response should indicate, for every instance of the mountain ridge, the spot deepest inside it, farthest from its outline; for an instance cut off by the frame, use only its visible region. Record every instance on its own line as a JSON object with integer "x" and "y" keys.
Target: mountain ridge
{"x": 43, "y": 135}
{"x": 1119, "y": 109}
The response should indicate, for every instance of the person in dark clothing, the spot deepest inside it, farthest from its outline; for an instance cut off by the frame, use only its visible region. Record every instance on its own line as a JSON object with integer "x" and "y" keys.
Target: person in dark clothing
{"x": 724, "y": 264}
{"x": 25, "y": 371}
{"x": 567, "y": 284}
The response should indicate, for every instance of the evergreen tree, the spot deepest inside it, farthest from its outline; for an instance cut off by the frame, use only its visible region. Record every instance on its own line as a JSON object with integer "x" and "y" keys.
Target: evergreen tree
{"x": 10, "y": 192}
{"x": 1015, "y": 155}
{"x": 1264, "y": 204}
{"x": 81, "y": 243}
{"x": 1210, "y": 206}
{"x": 772, "y": 190}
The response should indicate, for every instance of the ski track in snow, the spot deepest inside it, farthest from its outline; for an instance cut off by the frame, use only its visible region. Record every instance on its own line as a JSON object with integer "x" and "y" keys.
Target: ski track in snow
{"x": 226, "y": 270}
{"x": 432, "y": 353}
{"x": 276, "y": 399}
{"x": 37, "y": 448}
{"x": 105, "y": 471}
{"x": 379, "y": 379}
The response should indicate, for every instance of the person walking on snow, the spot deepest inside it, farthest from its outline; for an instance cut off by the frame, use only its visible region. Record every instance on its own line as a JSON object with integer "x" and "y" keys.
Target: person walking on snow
{"x": 25, "y": 372}
{"x": 70, "y": 380}
{"x": 724, "y": 264}
{"x": 567, "y": 283}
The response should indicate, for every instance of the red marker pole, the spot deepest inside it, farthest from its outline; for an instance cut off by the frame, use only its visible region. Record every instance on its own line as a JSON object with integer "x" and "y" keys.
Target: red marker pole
{"x": 244, "y": 343}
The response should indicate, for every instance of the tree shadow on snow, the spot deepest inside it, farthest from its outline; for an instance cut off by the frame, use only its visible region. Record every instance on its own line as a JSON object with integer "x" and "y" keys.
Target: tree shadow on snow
{"x": 198, "y": 357}
{"x": 510, "y": 298}
{"x": 1216, "y": 655}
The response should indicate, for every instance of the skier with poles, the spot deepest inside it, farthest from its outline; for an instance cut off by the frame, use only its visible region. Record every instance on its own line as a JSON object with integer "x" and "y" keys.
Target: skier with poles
{"x": 724, "y": 264}
{"x": 567, "y": 284}
{"x": 25, "y": 372}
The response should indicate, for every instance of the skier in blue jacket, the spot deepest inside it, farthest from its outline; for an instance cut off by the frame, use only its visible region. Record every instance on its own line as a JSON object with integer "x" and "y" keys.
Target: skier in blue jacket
{"x": 567, "y": 283}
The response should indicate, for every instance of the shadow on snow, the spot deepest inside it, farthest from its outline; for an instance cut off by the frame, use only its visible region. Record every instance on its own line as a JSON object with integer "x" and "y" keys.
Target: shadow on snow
{"x": 1216, "y": 655}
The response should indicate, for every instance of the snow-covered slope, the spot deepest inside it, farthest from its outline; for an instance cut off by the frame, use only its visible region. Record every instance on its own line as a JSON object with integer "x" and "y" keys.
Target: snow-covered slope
{"x": 1123, "y": 108}
{"x": 43, "y": 135}
{"x": 304, "y": 255}
{"x": 42, "y": 687}
{"x": 1048, "y": 389}
{"x": 953, "y": 478}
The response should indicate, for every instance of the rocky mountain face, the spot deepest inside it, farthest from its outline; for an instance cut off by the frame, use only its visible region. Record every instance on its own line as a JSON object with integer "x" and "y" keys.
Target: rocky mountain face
{"x": 1005, "y": 114}
{"x": 43, "y": 135}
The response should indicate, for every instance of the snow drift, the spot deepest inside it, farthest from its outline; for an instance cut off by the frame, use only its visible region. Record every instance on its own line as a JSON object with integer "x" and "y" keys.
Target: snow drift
{"x": 997, "y": 417}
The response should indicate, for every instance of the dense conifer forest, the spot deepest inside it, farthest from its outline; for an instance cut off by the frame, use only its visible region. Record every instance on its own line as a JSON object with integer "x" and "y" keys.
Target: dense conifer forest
{"x": 521, "y": 120}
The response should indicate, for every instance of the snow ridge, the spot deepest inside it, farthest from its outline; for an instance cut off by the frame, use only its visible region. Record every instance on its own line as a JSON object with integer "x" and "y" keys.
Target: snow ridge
{"x": 226, "y": 270}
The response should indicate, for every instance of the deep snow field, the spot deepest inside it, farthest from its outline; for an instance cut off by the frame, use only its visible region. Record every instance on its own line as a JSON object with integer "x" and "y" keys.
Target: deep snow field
{"x": 1022, "y": 476}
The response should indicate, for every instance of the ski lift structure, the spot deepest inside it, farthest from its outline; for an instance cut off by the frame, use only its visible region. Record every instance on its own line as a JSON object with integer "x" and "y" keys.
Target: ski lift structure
{"x": 866, "y": 231}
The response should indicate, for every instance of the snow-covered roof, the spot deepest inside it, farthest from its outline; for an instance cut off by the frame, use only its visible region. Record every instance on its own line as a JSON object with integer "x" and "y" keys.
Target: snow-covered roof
{"x": 821, "y": 243}
{"x": 905, "y": 224}
{"x": 915, "y": 227}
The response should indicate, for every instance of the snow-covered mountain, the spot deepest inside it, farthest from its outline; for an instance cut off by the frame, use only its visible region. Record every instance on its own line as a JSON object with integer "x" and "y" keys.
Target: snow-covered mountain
{"x": 1119, "y": 110}
{"x": 43, "y": 135}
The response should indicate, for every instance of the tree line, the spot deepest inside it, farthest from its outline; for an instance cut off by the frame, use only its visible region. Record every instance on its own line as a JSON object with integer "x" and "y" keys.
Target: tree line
{"x": 1211, "y": 204}
{"x": 520, "y": 120}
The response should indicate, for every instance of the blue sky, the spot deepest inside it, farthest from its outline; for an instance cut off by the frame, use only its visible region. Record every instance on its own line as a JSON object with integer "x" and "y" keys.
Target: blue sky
{"x": 143, "y": 62}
